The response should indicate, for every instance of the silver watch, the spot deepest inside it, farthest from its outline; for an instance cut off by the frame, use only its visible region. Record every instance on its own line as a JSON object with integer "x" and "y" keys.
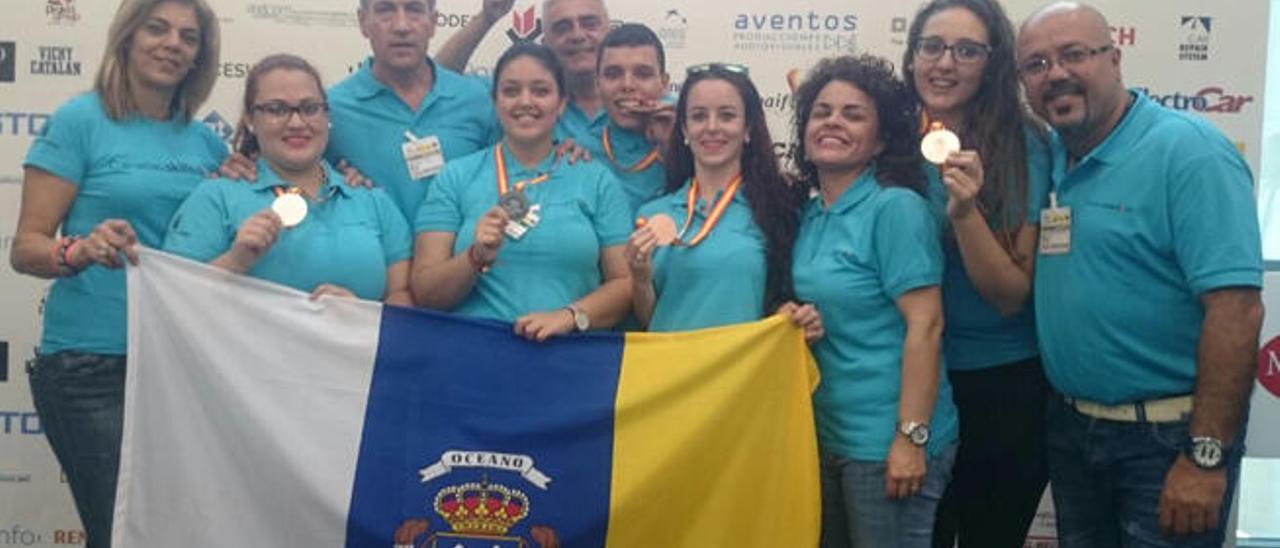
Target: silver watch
{"x": 916, "y": 432}
{"x": 581, "y": 321}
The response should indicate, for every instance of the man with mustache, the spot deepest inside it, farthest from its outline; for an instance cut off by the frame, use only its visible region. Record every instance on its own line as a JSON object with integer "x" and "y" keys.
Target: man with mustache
{"x": 1147, "y": 297}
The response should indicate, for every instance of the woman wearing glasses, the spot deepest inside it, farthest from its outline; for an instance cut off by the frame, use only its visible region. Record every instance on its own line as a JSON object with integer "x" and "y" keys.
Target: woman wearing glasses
{"x": 107, "y": 172}
{"x": 298, "y": 224}
{"x": 961, "y": 69}
{"x": 513, "y": 233}
{"x": 868, "y": 256}
{"x": 716, "y": 249}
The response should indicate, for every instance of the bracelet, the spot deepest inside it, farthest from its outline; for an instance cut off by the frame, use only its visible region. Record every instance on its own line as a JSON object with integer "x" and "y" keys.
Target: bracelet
{"x": 477, "y": 264}
{"x": 62, "y": 256}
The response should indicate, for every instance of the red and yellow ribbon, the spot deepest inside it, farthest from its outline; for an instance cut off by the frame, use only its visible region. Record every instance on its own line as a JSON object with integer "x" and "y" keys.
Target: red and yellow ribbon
{"x": 717, "y": 211}
{"x": 500, "y": 166}
{"x": 643, "y": 164}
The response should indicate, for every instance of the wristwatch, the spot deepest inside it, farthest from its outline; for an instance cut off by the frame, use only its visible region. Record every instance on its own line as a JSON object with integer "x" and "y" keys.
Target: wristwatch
{"x": 581, "y": 321}
{"x": 916, "y": 432}
{"x": 1205, "y": 452}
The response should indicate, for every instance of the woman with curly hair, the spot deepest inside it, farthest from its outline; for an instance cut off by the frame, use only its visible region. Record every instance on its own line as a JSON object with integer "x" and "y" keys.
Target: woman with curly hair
{"x": 736, "y": 216}
{"x": 868, "y": 256}
{"x": 961, "y": 69}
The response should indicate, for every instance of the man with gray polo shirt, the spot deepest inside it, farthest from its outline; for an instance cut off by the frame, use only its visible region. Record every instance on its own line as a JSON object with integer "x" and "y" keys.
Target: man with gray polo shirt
{"x": 1147, "y": 298}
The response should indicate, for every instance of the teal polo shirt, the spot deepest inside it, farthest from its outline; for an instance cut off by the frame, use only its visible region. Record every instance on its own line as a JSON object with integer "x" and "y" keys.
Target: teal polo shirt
{"x": 369, "y": 122}
{"x": 629, "y": 148}
{"x": 578, "y": 125}
{"x": 557, "y": 261}
{"x": 136, "y": 169}
{"x": 1162, "y": 211}
{"x": 976, "y": 336}
{"x": 349, "y": 237}
{"x": 720, "y": 281}
{"x": 853, "y": 261}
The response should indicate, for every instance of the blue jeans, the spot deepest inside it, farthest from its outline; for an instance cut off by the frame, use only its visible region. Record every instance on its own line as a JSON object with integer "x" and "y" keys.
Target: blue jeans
{"x": 856, "y": 513}
{"x": 80, "y": 399}
{"x": 1107, "y": 477}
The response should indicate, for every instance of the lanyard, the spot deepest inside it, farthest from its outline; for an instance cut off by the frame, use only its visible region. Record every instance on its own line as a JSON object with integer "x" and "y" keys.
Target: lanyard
{"x": 500, "y": 166}
{"x": 637, "y": 167}
{"x": 717, "y": 211}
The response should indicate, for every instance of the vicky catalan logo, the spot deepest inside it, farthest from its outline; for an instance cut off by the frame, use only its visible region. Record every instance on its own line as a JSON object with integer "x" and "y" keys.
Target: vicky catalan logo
{"x": 526, "y": 26}
{"x": 55, "y": 61}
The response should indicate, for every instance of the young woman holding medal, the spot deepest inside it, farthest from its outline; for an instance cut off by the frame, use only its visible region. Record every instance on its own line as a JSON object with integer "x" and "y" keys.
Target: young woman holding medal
{"x": 107, "y": 172}
{"x": 716, "y": 249}
{"x": 299, "y": 224}
{"x": 513, "y": 233}
{"x": 868, "y": 256}
{"x": 961, "y": 67}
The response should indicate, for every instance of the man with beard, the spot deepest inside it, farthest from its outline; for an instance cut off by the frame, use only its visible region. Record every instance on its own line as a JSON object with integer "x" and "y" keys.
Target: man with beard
{"x": 1147, "y": 297}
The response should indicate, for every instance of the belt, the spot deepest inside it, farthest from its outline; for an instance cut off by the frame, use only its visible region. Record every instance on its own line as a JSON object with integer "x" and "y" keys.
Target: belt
{"x": 1174, "y": 409}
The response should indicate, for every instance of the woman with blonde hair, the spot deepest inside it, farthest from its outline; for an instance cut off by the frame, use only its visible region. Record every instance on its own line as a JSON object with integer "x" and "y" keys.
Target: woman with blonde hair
{"x": 107, "y": 172}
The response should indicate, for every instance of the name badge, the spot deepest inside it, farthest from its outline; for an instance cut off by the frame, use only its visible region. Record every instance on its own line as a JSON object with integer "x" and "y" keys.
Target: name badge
{"x": 1055, "y": 229}
{"x": 422, "y": 156}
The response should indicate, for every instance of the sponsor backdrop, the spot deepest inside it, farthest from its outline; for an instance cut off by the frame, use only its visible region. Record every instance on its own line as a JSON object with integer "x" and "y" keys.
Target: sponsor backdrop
{"x": 1187, "y": 54}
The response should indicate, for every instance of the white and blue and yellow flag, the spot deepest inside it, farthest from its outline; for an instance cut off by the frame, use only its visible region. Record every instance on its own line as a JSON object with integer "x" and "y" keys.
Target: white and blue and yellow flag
{"x": 255, "y": 417}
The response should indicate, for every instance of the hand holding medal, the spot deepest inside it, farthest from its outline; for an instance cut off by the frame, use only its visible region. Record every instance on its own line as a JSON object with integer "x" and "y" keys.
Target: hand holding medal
{"x": 961, "y": 170}
{"x": 254, "y": 238}
{"x": 938, "y": 144}
{"x": 650, "y": 234}
{"x": 290, "y": 206}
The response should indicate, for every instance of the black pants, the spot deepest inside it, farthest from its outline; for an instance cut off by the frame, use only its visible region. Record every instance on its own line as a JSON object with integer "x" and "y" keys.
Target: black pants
{"x": 1000, "y": 471}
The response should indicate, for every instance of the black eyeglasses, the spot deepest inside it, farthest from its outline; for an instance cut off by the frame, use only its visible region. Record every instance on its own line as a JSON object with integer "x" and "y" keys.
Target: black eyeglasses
{"x": 279, "y": 111}
{"x": 964, "y": 52}
{"x": 727, "y": 67}
{"x": 1069, "y": 57}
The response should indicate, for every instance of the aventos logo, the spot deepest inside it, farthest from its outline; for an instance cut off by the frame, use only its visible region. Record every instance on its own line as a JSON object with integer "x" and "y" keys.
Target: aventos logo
{"x": 811, "y": 21}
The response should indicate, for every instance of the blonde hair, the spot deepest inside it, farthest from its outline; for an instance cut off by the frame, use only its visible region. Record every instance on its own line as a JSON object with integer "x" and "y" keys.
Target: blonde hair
{"x": 112, "y": 82}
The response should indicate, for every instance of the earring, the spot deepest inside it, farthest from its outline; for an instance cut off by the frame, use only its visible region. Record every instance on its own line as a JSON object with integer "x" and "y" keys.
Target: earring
{"x": 250, "y": 128}
{"x": 330, "y": 125}
{"x": 686, "y": 140}
{"x": 746, "y": 140}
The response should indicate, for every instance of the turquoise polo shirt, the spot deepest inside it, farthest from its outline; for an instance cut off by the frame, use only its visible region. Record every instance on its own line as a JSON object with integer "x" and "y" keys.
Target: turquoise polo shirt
{"x": 136, "y": 169}
{"x": 853, "y": 261}
{"x": 579, "y": 126}
{"x": 629, "y": 148}
{"x": 369, "y": 122}
{"x": 557, "y": 261}
{"x": 1162, "y": 211}
{"x": 976, "y": 336}
{"x": 720, "y": 281}
{"x": 349, "y": 237}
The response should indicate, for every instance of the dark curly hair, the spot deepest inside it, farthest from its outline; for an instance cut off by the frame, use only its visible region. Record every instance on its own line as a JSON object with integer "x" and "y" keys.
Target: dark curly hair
{"x": 995, "y": 117}
{"x": 774, "y": 204}
{"x": 900, "y": 163}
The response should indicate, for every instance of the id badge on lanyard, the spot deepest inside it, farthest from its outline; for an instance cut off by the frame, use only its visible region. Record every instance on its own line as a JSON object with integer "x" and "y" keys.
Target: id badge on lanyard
{"x": 1055, "y": 228}
{"x": 423, "y": 156}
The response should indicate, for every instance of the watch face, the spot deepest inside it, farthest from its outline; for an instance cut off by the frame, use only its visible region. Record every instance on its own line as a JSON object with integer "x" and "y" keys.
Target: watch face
{"x": 581, "y": 321}
{"x": 920, "y": 435}
{"x": 1206, "y": 454}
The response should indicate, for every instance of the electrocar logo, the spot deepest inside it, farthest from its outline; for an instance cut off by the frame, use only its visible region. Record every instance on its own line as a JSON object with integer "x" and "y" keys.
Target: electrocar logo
{"x": 526, "y": 26}
{"x": 809, "y": 31}
{"x": 1210, "y": 99}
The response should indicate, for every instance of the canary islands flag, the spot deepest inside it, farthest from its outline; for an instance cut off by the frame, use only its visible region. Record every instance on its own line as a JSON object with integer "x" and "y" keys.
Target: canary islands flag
{"x": 256, "y": 417}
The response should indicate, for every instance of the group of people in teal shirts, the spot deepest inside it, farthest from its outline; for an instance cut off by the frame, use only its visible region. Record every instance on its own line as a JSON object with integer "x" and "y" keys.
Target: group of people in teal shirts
{"x": 423, "y": 187}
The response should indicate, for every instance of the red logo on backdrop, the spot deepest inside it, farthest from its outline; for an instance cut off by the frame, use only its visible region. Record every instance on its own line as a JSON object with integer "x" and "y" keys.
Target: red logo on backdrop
{"x": 525, "y": 26}
{"x": 1269, "y": 366}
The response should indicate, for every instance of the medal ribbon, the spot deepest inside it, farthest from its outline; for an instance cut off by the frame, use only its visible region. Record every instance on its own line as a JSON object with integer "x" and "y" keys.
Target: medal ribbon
{"x": 717, "y": 211}
{"x": 280, "y": 191}
{"x": 500, "y": 166}
{"x": 637, "y": 167}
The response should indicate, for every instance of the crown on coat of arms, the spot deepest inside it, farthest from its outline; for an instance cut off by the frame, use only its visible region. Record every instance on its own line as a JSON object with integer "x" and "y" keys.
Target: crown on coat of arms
{"x": 481, "y": 508}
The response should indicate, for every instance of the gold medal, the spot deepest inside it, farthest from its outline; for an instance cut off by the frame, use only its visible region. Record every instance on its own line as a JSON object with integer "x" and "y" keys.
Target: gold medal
{"x": 939, "y": 143}
{"x": 290, "y": 206}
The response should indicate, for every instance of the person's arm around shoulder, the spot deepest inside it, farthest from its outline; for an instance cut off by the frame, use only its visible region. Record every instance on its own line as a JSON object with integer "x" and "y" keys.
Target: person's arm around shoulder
{"x": 456, "y": 53}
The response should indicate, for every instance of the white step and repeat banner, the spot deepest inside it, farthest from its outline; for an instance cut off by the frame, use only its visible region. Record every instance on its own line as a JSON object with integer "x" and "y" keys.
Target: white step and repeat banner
{"x": 1201, "y": 56}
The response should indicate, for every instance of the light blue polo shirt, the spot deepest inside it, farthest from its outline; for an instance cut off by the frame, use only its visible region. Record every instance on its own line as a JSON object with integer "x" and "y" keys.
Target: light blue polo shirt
{"x": 629, "y": 148}
{"x": 136, "y": 169}
{"x": 976, "y": 336}
{"x": 720, "y": 281}
{"x": 853, "y": 261}
{"x": 349, "y": 238}
{"x": 577, "y": 125}
{"x": 557, "y": 261}
{"x": 369, "y": 122}
{"x": 1162, "y": 211}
